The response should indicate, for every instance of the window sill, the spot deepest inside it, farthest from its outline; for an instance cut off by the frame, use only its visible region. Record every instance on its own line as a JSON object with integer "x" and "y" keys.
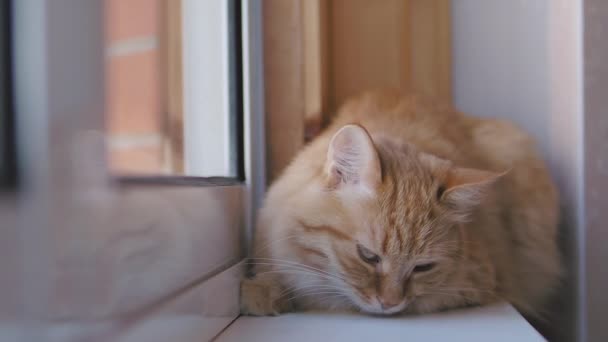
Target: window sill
{"x": 494, "y": 323}
{"x": 201, "y": 313}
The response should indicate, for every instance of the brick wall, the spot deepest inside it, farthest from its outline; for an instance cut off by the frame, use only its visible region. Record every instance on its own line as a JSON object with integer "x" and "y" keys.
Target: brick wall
{"x": 133, "y": 117}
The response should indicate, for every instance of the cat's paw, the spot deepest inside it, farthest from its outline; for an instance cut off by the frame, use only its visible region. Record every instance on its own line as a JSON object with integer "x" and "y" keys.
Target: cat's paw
{"x": 262, "y": 297}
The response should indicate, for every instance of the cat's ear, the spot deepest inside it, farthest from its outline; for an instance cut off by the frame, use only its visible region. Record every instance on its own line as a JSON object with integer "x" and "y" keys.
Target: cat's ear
{"x": 463, "y": 189}
{"x": 352, "y": 160}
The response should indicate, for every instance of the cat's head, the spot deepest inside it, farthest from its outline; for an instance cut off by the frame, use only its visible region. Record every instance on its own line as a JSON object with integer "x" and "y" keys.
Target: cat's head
{"x": 381, "y": 224}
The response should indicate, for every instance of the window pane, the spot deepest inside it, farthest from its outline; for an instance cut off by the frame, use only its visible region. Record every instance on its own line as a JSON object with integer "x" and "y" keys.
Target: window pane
{"x": 172, "y": 103}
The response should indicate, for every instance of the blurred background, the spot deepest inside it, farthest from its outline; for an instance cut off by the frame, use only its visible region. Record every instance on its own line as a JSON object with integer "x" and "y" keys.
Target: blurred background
{"x": 488, "y": 58}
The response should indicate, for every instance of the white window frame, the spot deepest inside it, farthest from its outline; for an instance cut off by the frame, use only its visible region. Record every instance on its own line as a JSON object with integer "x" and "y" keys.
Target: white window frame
{"x": 95, "y": 250}
{"x": 206, "y": 72}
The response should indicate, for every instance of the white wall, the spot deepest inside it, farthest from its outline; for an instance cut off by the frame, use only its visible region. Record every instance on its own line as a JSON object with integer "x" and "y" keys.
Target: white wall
{"x": 522, "y": 60}
{"x": 500, "y": 61}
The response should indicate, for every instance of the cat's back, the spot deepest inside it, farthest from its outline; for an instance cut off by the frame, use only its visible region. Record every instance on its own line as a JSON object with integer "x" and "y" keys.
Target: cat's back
{"x": 438, "y": 128}
{"x": 411, "y": 118}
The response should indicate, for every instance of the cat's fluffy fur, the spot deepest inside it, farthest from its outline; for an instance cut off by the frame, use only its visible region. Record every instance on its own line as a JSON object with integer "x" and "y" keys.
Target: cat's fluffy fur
{"x": 406, "y": 205}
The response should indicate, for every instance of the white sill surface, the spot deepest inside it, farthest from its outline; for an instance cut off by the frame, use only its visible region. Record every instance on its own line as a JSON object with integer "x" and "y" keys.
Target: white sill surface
{"x": 493, "y": 323}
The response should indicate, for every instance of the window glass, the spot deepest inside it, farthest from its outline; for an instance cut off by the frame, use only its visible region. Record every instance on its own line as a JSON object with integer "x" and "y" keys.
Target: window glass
{"x": 172, "y": 94}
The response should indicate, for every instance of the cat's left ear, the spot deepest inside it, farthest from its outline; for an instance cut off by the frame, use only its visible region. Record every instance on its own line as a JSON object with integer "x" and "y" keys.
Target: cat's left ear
{"x": 463, "y": 188}
{"x": 352, "y": 160}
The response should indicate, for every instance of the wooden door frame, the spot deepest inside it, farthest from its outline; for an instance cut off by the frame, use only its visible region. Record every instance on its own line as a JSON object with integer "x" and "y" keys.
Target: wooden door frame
{"x": 308, "y": 45}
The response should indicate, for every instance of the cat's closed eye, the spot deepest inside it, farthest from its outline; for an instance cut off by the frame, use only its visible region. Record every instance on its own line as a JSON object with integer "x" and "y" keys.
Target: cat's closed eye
{"x": 424, "y": 267}
{"x": 367, "y": 255}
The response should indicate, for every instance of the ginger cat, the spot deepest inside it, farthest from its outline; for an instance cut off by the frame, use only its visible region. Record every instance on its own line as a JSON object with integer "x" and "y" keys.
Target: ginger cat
{"x": 404, "y": 205}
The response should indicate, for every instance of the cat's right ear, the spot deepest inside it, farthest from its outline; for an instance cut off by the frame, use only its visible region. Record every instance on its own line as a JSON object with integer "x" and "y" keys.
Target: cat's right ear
{"x": 464, "y": 189}
{"x": 352, "y": 160}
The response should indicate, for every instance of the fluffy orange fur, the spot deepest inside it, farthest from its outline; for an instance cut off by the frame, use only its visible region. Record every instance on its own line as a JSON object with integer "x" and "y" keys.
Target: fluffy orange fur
{"x": 406, "y": 205}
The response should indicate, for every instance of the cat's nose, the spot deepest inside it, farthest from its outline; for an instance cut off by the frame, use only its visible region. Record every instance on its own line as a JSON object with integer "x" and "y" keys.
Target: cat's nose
{"x": 387, "y": 304}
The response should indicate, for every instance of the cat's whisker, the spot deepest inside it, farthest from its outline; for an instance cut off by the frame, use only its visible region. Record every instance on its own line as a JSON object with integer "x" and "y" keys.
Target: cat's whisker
{"x": 289, "y": 262}
{"x": 303, "y": 269}
{"x": 283, "y": 264}
{"x": 297, "y": 264}
{"x": 295, "y": 272}
{"x": 313, "y": 294}
{"x": 290, "y": 269}
{"x": 312, "y": 286}
{"x": 293, "y": 287}
{"x": 344, "y": 299}
{"x": 298, "y": 287}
